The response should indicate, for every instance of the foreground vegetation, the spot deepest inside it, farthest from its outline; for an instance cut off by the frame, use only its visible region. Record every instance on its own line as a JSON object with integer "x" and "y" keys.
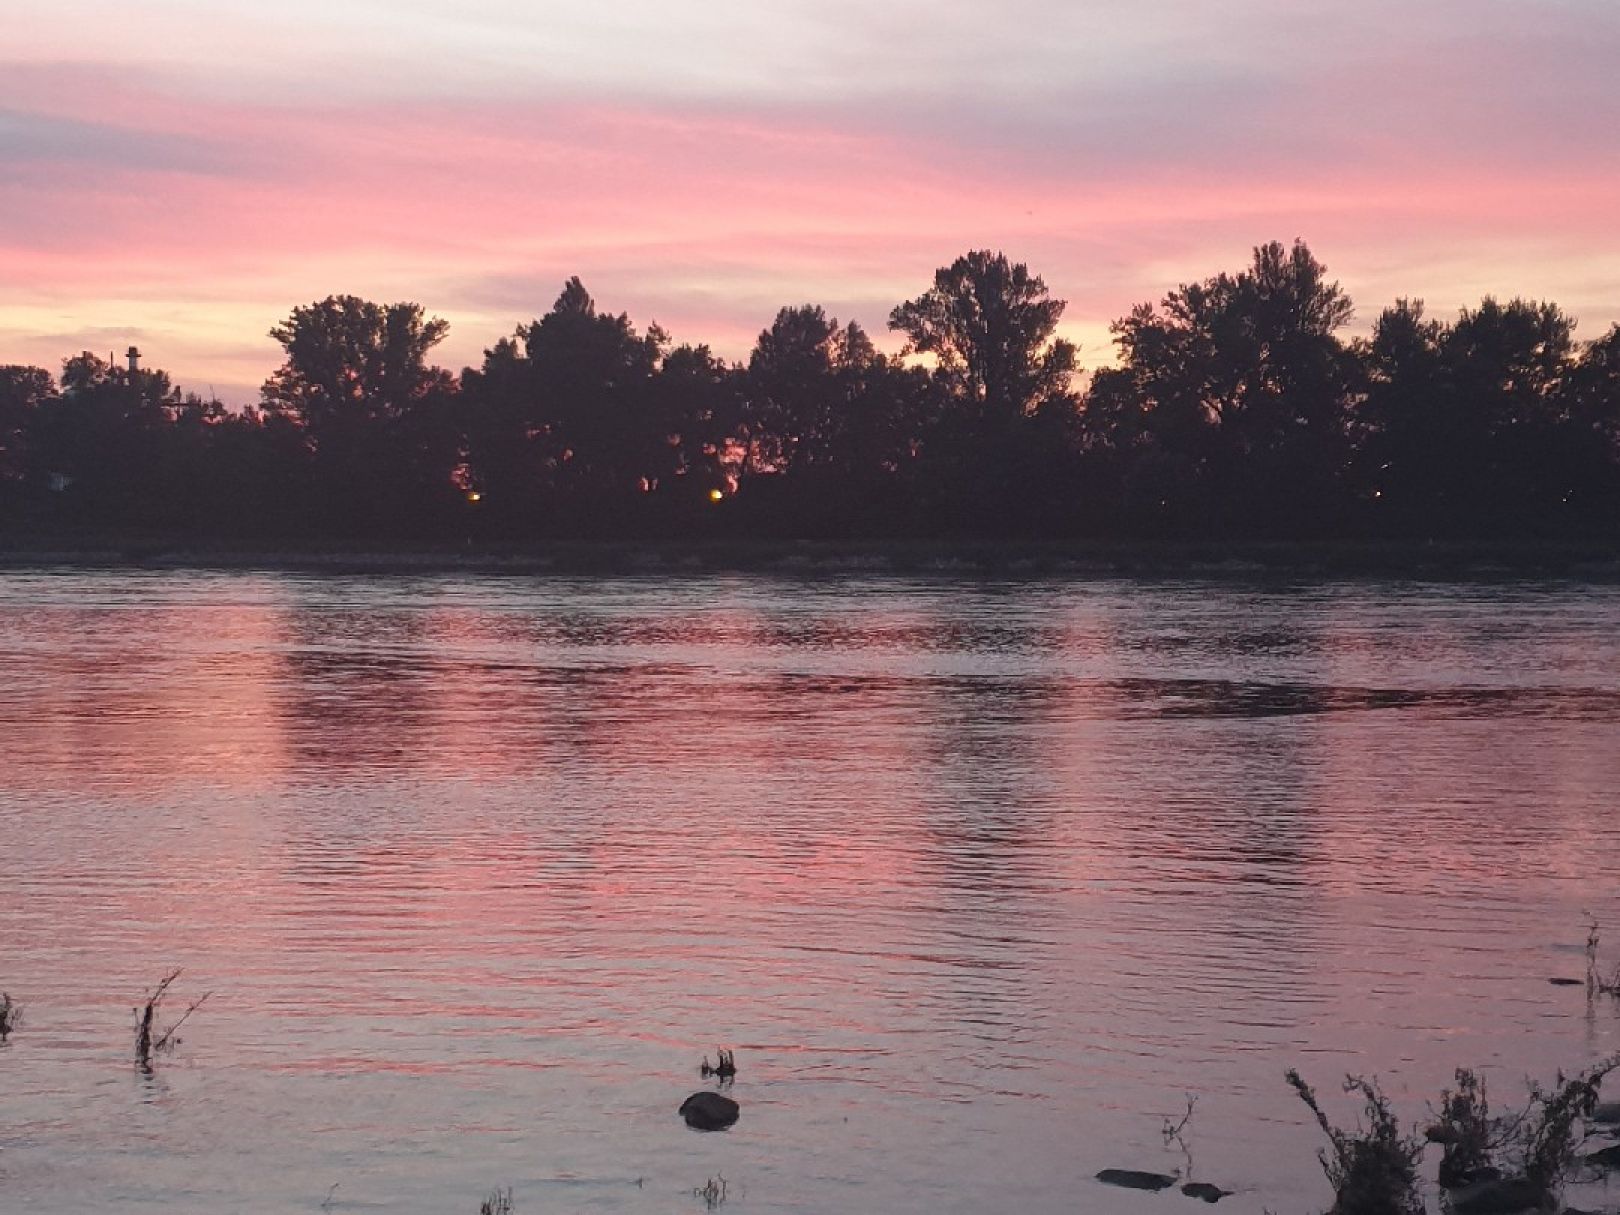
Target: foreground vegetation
{"x": 1237, "y": 409}
{"x": 1490, "y": 1163}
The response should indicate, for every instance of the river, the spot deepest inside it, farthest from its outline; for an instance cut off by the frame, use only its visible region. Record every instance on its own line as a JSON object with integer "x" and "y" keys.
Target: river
{"x": 982, "y": 880}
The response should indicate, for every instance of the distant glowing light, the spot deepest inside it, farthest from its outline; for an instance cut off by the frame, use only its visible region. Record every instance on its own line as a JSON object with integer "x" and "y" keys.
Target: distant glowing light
{"x": 716, "y": 494}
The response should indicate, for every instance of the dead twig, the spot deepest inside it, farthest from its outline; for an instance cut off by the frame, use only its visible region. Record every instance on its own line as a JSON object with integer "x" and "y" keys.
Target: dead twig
{"x": 148, "y": 1041}
{"x": 1174, "y": 1133}
{"x": 10, "y": 1015}
{"x": 713, "y": 1193}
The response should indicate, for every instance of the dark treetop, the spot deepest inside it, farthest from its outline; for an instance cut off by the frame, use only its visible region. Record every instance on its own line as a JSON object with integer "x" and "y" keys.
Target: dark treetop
{"x": 1236, "y": 410}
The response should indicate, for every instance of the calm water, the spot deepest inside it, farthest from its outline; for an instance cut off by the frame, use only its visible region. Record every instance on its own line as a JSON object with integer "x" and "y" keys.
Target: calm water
{"x": 979, "y": 879}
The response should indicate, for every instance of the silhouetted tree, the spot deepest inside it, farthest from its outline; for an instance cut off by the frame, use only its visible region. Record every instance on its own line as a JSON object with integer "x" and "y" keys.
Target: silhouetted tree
{"x": 590, "y": 373}
{"x": 105, "y": 437}
{"x": 377, "y": 417}
{"x": 1231, "y": 399}
{"x": 25, "y": 392}
{"x": 1590, "y": 406}
{"x": 995, "y": 456}
{"x": 505, "y": 458}
{"x": 990, "y": 326}
{"x": 352, "y": 364}
{"x": 1235, "y": 407}
{"x": 688, "y": 449}
{"x": 1490, "y": 425}
{"x": 830, "y": 426}
{"x": 562, "y": 420}
{"x": 1506, "y": 364}
{"x": 796, "y": 400}
{"x": 1591, "y": 392}
{"x": 821, "y": 397}
{"x": 1407, "y": 419}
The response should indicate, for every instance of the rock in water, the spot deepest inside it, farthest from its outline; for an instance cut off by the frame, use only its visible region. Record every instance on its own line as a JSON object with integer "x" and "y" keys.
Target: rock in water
{"x": 1135, "y": 1179}
{"x": 1503, "y": 1196}
{"x": 1203, "y": 1189}
{"x": 1608, "y": 1157}
{"x": 709, "y": 1111}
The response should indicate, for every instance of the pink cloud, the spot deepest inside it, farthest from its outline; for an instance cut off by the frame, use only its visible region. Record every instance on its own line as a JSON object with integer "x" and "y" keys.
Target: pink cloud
{"x": 202, "y": 223}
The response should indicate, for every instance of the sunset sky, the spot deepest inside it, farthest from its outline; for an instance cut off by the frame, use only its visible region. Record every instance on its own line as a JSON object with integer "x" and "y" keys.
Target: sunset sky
{"x": 178, "y": 174}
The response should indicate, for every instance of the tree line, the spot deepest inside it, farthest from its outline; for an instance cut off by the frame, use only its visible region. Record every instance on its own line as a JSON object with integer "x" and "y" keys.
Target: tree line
{"x": 1236, "y": 408}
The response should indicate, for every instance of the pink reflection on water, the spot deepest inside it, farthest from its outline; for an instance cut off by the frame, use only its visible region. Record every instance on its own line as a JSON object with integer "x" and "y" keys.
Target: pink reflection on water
{"x": 989, "y": 872}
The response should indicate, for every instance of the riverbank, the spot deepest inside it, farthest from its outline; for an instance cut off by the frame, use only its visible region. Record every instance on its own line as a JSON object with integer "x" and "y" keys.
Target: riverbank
{"x": 1447, "y": 561}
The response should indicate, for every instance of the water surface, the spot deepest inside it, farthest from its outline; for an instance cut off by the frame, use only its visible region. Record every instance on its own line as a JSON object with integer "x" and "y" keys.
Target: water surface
{"x": 980, "y": 879}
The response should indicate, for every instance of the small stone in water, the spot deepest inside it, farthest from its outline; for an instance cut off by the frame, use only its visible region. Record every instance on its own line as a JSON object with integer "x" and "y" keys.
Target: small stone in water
{"x": 709, "y": 1111}
{"x": 1135, "y": 1179}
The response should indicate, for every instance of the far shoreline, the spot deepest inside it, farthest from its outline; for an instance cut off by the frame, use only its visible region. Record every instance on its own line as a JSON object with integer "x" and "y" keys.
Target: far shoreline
{"x": 1238, "y": 560}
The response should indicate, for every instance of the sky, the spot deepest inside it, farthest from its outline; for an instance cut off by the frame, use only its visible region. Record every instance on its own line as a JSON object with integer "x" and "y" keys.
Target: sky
{"x": 179, "y": 174}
